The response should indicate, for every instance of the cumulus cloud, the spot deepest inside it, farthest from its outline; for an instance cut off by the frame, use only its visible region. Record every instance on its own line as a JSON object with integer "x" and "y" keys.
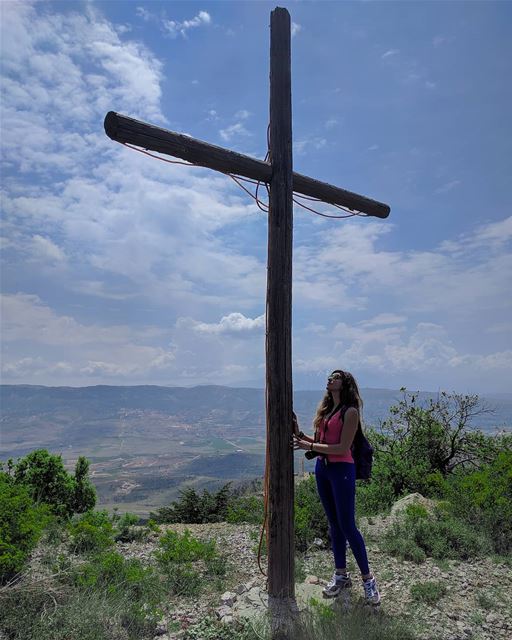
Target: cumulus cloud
{"x": 45, "y": 249}
{"x": 72, "y": 349}
{"x": 234, "y": 130}
{"x": 175, "y": 28}
{"x": 395, "y": 351}
{"x": 232, "y": 323}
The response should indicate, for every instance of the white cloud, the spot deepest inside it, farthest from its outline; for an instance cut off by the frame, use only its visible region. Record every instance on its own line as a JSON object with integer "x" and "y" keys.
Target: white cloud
{"x": 303, "y": 145}
{"x": 72, "y": 349}
{"x": 390, "y": 53}
{"x": 46, "y": 250}
{"x": 232, "y": 323}
{"x": 447, "y": 186}
{"x": 296, "y": 28}
{"x": 234, "y": 130}
{"x": 176, "y": 28}
{"x": 396, "y": 352}
{"x": 384, "y": 319}
{"x": 143, "y": 13}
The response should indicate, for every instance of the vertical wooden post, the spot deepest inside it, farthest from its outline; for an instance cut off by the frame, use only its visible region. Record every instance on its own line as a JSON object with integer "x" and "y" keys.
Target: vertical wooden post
{"x": 279, "y": 315}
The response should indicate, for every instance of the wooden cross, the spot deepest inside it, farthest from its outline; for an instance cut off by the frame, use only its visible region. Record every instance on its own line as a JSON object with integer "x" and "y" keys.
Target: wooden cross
{"x": 283, "y": 182}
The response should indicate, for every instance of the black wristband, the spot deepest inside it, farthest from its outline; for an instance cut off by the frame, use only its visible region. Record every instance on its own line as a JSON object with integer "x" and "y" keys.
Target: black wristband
{"x": 311, "y": 446}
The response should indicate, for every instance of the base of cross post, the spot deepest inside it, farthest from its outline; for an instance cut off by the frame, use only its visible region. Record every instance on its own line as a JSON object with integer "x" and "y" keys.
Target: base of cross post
{"x": 283, "y": 614}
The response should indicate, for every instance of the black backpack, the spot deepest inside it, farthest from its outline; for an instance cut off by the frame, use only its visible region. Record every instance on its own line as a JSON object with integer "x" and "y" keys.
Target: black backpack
{"x": 362, "y": 452}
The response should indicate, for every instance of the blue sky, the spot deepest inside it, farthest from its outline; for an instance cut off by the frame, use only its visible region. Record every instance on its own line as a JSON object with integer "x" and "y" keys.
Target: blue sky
{"x": 119, "y": 269}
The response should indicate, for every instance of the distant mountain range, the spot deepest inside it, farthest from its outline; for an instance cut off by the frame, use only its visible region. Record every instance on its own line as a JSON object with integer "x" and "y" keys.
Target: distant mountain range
{"x": 147, "y": 442}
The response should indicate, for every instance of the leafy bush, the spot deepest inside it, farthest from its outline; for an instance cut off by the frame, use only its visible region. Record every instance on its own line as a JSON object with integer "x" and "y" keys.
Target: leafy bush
{"x": 175, "y": 555}
{"x": 417, "y": 535}
{"x": 182, "y": 579}
{"x": 92, "y": 532}
{"x": 310, "y": 518}
{"x": 21, "y": 525}
{"x": 125, "y": 529}
{"x": 378, "y": 495}
{"x": 49, "y": 482}
{"x": 419, "y": 447}
{"x": 191, "y": 507}
{"x": 429, "y": 592}
{"x": 174, "y": 548}
{"x": 216, "y": 566}
{"x": 245, "y": 509}
{"x": 484, "y": 500}
{"x": 105, "y": 598}
{"x": 212, "y": 629}
{"x": 114, "y": 575}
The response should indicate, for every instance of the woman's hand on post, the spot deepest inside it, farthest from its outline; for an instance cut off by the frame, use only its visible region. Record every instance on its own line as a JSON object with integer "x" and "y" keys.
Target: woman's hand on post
{"x": 297, "y": 443}
{"x": 295, "y": 424}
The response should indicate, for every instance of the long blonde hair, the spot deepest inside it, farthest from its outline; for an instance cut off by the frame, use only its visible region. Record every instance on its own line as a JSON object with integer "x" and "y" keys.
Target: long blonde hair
{"x": 350, "y": 397}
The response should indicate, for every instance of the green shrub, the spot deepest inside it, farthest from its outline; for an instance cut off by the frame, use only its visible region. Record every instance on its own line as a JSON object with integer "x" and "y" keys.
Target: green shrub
{"x": 21, "y": 526}
{"x": 216, "y": 566}
{"x": 75, "y": 612}
{"x": 429, "y": 592}
{"x": 192, "y": 507}
{"x": 483, "y": 499}
{"x": 419, "y": 447}
{"x": 125, "y": 529}
{"x": 175, "y": 548}
{"x": 49, "y": 482}
{"x": 377, "y": 495}
{"x": 182, "y": 579}
{"x": 310, "y": 518}
{"x": 246, "y": 509}
{"x": 416, "y": 534}
{"x": 92, "y": 532}
{"x": 116, "y": 576}
{"x": 211, "y": 629}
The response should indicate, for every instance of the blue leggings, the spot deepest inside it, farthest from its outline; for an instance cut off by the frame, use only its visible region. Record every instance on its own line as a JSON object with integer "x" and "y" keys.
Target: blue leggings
{"x": 336, "y": 483}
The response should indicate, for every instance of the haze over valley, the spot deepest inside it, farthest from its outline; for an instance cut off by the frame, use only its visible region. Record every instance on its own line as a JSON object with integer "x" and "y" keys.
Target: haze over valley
{"x": 145, "y": 443}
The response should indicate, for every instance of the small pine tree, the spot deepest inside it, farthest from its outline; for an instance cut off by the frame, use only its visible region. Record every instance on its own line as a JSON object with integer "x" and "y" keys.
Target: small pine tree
{"x": 49, "y": 483}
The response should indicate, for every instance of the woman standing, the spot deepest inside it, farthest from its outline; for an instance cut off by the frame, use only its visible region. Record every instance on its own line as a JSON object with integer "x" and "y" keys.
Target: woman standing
{"x": 336, "y": 422}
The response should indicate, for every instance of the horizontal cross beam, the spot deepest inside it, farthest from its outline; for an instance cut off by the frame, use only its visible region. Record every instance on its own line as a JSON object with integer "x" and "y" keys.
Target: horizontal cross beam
{"x": 123, "y": 129}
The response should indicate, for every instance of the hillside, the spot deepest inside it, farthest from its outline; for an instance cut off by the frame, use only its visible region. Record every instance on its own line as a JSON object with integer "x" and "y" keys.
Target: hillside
{"x": 147, "y": 442}
{"x": 476, "y": 604}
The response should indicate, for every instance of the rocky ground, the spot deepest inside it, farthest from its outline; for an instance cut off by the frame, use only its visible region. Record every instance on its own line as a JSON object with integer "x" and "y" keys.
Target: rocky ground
{"x": 477, "y": 604}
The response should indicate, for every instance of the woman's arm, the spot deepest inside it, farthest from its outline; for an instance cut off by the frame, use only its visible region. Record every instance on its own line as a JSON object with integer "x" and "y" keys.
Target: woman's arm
{"x": 350, "y": 423}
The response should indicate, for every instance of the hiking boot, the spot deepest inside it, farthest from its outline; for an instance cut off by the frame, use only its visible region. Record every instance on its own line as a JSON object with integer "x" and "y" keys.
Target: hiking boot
{"x": 338, "y": 582}
{"x": 371, "y": 593}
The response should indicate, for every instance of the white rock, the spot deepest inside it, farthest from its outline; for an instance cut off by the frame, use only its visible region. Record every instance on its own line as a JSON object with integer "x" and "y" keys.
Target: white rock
{"x": 318, "y": 542}
{"x": 412, "y": 498}
{"x": 223, "y": 611}
{"x": 228, "y": 598}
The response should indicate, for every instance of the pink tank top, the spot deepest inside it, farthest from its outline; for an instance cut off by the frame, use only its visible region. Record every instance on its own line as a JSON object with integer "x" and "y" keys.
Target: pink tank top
{"x": 332, "y": 435}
